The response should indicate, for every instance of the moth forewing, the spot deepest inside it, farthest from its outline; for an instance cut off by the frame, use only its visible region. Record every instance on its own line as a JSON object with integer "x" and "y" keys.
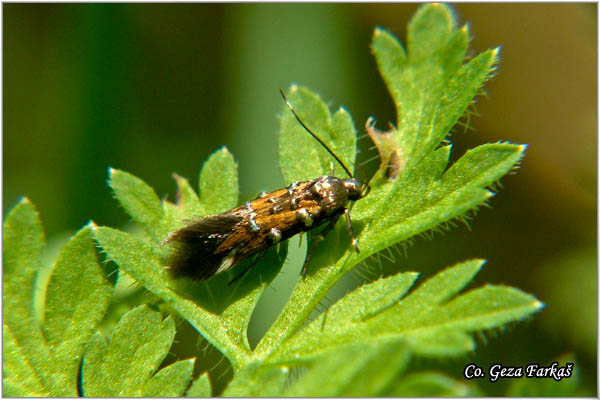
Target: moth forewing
{"x": 214, "y": 244}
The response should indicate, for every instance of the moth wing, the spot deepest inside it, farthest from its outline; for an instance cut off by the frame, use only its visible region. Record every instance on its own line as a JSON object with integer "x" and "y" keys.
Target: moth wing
{"x": 194, "y": 254}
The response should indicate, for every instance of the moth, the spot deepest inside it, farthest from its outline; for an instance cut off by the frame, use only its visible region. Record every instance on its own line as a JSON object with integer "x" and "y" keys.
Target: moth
{"x": 210, "y": 245}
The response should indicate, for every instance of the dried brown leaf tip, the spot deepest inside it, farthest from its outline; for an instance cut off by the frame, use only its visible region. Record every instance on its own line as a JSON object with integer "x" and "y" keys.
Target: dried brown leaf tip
{"x": 390, "y": 153}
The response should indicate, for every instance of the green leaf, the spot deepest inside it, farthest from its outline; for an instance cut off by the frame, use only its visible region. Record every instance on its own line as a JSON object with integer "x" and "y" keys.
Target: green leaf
{"x": 423, "y": 202}
{"x": 427, "y": 319}
{"x": 127, "y": 365}
{"x": 431, "y": 88}
{"x": 301, "y": 157}
{"x": 77, "y": 297}
{"x": 255, "y": 380}
{"x": 139, "y": 201}
{"x": 24, "y": 346}
{"x": 20, "y": 377}
{"x": 219, "y": 183}
{"x": 218, "y": 193}
{"x": 45, "y": 361}
{"x": 187, "y": 200}
{"x": 93, "y": 378}
{"x": 200, "y": 387}
{"x": 353, "y": 372}
{"x": 170, "y": 381}
{"x": 548, "y": 386}
{"x": 410, "y": 193}
{"x": 428, "y": 32}
{"x": 218, "y": 311}
{"x": 432, "y": 384}
{"x": 415, "y": 190}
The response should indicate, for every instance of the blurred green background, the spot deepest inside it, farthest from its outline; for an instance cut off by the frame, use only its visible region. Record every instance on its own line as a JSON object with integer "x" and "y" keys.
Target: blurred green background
{"x": 155, "y": 88}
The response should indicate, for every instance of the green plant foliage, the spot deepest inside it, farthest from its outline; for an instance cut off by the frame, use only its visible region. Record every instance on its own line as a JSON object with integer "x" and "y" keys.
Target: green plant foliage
{"x": 432, "y": 88}
{"x": 364, "y": 342}
{"x": 353, "y": 371}
{"x": 220, "y": 172}
{"x": 428, "y": 88}
{"x": 301, "y": 157}
{"x": 45, "y": 360}
{"x": 430, "y": 319}
{"x": 432, "y": 384}
{"x": 258, "y": 380}
{"x": 140, "y": 201}
{"x": 200, "y": 387}
{"x": 549, "y": 387}
{"x": 126, "y": 367}
{"x": 224, "y": 310}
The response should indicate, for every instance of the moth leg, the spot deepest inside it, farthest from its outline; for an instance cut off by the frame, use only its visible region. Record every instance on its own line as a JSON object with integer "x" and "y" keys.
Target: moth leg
{"x": 252, "y": 264}
{"x": 318, "y": 238}
{"x": 350, "y": 232}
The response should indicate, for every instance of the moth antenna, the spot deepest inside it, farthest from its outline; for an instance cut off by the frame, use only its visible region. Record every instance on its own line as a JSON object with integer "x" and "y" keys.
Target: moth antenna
{"x": 313, "y": 134}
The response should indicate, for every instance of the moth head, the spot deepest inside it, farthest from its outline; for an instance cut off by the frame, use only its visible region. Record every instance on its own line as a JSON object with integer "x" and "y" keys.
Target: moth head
{"x": 356, "y": 190}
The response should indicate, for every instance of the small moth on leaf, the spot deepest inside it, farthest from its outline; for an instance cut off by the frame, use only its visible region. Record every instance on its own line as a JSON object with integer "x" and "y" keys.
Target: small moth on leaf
{"x": 213, "y": 244}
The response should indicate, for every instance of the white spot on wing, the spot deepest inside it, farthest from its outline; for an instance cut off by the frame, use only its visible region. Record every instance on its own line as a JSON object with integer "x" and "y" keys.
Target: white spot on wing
{"x": 225, "y": 264}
